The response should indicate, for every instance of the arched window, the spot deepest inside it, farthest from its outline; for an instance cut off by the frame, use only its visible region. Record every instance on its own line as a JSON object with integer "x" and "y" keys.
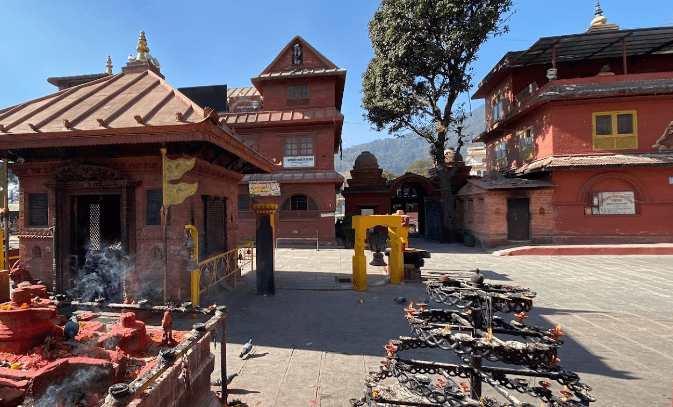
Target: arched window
{"x": 299, "y": 203}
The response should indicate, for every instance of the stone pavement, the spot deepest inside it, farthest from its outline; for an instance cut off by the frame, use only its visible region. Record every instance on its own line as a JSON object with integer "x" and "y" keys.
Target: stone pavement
{"x": 316, "y": 339}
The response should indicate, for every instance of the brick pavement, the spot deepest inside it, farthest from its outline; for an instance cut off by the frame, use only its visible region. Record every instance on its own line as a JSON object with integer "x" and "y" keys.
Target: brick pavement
{"x": 316, "y": 339}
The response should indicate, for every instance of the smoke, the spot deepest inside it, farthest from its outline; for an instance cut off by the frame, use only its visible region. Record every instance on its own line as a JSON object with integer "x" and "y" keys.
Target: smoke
{"x": 72, "y": 391}
{"x": 103, "y": 274}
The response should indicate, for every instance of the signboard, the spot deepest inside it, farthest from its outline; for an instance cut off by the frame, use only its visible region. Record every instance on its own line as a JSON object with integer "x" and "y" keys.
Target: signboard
{"x": 326, "y": 215}
{"x": 616, "y": 203}
{"x": 269, "y": 188}
{"x": 298, "y": 161}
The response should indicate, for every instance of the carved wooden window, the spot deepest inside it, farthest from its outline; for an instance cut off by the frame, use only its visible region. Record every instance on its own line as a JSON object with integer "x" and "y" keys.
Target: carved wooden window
{"x": 39, "y": 210}
{"x": 615, "y": 130}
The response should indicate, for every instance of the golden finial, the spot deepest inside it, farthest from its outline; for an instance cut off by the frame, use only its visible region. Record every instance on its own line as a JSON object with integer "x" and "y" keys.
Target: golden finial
{"x": 108, "y": 65}
{"x": 142, "y": 47}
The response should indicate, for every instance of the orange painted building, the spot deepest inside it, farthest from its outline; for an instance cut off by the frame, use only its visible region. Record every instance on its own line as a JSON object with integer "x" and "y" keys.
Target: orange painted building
{"x": 292, "y": 114}
{"x": 581, "y": 125}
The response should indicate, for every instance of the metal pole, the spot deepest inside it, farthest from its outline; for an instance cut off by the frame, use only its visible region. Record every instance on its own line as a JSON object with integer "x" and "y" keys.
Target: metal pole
{"x": 5, "y": 211}
{"x": 164, "y": 213}
{"x": 223, "y": 360}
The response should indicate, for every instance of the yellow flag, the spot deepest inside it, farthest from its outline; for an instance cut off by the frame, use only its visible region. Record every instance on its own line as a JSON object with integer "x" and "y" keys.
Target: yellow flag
{"x": 175, "y": 194}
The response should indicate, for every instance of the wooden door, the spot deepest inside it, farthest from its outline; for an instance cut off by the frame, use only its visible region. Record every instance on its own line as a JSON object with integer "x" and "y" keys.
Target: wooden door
{"x": 518, "y": 219}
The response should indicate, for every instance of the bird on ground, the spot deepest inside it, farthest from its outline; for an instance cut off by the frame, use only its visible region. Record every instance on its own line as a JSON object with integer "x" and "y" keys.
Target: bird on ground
{"x": 71, "y": 327}
{"x": 246, "y": 349}
{"x": 218, "y": 382}
{"x": 400, "y": 300}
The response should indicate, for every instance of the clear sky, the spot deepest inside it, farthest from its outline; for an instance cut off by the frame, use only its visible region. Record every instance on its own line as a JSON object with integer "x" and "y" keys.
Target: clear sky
{"x": 228, "y": 42}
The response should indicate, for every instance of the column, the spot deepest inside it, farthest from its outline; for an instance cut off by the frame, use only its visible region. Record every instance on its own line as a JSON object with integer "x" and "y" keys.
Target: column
{"x": 265, "y": 248}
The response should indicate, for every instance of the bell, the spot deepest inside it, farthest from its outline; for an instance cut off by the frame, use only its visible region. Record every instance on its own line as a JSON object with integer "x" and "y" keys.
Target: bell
{"x": 477, "y": 279}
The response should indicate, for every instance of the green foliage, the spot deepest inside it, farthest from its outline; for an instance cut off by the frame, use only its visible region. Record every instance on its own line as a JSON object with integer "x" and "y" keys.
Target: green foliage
{"x": 388, "y": 175}
{"x": 421, "y": 167}
{"x": 422, "y": 53}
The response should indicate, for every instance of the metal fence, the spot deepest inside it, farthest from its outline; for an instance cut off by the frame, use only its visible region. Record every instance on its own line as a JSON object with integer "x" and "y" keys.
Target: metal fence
{"x": 219, "y": 269}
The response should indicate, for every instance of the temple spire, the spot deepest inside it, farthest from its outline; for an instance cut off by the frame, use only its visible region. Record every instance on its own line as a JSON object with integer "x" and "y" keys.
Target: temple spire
{"x": 600, "y": 22}
{"x": 142, "y": 47}
{"x": 108, "y": 65}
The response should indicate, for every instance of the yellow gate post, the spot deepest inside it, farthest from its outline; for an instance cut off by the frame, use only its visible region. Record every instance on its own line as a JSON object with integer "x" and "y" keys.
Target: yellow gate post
{"x": 359, "y": 259}
{"x": 398, "y": 236}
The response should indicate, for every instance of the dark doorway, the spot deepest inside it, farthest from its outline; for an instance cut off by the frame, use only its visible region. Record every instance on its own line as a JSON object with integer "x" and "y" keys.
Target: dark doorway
{"x": 97, "y": 224}
{"x": 518, "y": 219}
{"x": 410, "y": 197}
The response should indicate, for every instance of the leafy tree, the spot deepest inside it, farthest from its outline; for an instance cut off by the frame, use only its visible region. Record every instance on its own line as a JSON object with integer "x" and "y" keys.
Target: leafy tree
{"x": 423, "y": 50}
{"x": 420, "y": 167}
{"x": 388, "y": 175}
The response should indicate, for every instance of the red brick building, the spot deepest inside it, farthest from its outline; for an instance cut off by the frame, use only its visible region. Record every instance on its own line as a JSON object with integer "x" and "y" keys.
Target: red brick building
{"x": 576, "y": 123}
{"x": 369, "y": 193}
{"x": 90, "y": 173}
{"x": 293, "y": 115}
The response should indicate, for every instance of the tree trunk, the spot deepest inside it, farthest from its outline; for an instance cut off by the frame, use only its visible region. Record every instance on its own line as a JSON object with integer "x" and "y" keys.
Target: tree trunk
{"x": 448, "y": 201}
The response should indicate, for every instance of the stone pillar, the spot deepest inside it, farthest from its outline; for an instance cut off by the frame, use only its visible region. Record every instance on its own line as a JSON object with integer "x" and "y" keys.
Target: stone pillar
{"x": 265, "y": 248}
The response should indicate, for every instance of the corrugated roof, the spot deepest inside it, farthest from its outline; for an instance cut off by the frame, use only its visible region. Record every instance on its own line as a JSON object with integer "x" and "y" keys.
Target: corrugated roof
{"x": 617, "y": 160}
{"x": 296, "y": 176}
{"x": 577, "y": 48}
{"x": 511, "y": 183}
{"x": 237, "y": 119}
{"x": 125, "y": 100}
{"x": 241, "y": 92}
{"x": 296, "y": 73}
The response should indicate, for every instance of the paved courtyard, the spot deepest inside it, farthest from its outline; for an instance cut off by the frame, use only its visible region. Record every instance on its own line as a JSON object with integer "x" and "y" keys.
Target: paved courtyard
{"x": 316, "y": 339}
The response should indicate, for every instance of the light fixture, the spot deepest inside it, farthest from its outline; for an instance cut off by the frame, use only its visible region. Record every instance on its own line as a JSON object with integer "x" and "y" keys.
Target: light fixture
{"x": 551, "y": 74}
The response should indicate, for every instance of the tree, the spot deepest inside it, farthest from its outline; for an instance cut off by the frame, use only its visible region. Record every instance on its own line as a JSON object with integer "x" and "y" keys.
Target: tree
{"x": 420, "y": 167}
{"x": 388, "y": 175}
{"x": 423, "y": 50}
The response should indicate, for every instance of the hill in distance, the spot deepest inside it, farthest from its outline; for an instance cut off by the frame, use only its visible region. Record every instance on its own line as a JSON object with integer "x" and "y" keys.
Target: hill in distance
{"x": 394, "y": 154}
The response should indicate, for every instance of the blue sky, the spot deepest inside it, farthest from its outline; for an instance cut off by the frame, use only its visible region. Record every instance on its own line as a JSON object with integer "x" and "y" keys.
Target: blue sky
{"x": 228, "y": 42}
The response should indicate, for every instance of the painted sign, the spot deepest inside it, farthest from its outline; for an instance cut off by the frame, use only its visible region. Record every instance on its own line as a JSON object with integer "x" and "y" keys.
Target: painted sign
{"x": 616, "y": 203}
{"x": 298, "y": 161}
{"x": 268, "y": 188}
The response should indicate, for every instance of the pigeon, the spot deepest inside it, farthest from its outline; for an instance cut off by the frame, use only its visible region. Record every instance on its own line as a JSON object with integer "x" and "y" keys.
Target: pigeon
{"x": 71, "y": 327}
{"x": 218, "y": 382}
{"x": 400, "y": 300}
{"x": 246, "y": 349}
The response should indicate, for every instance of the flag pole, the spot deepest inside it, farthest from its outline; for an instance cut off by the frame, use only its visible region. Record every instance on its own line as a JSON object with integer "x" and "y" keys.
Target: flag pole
{"x": 5, "y": 211}
{"x": 164, "y": 211}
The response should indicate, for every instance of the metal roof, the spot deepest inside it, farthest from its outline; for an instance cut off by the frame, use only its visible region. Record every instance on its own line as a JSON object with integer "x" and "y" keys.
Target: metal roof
{"x": 297, "y": 73}
{"x": 125, "y": 100}
{"x": 616, "y": 160}
{"x": 296, "y": 176}
{"x": 236, "y": 119}
{"x": 597, "y": 45}
{"x": 240, "y": 92}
